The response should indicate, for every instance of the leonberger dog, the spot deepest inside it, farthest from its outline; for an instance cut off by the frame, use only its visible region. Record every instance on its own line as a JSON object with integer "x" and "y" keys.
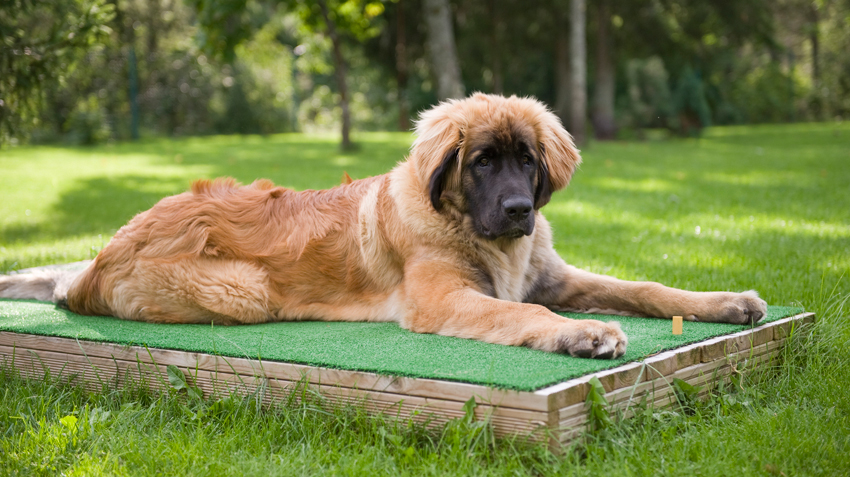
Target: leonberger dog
{"x": 451, "y": 241}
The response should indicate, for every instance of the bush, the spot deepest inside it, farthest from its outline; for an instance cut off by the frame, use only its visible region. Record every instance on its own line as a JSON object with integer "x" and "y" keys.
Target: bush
{"x": 765, "y": 94}
{"x": 690, "y": 106}
{"x": 87, "y": 124}
{"x": 648, "y": 101}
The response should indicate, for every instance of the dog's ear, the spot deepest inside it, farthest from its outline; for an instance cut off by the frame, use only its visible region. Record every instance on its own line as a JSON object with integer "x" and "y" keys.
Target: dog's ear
{"x": 560, "y": 157}
{"x": 436, "y": 183}
{"x": 437, "y": 147}
{"x": 543, "y": 192}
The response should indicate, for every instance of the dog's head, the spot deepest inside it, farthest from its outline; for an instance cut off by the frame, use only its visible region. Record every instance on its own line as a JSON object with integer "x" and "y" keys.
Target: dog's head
{"x": 493, "y": 159}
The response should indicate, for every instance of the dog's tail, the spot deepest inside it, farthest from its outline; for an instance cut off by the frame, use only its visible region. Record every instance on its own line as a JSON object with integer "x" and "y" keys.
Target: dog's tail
{"x": 39, "y": 284}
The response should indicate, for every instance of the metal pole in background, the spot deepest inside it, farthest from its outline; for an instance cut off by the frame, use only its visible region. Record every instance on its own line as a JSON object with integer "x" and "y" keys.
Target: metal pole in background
{"x": 134, "y": 91}
{"x": 791, "y": 86}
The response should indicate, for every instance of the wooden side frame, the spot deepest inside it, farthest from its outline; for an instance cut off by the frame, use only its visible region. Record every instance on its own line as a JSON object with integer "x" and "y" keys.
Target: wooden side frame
{"x": 556, "y": 412}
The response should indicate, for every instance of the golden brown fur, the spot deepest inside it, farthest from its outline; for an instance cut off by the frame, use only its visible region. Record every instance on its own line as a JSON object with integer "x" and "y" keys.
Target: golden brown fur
{"x": 378, "y": 249}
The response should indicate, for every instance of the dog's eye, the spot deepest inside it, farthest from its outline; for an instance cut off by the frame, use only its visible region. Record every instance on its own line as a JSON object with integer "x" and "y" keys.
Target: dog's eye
{"x": 483, "y": 161}
{"x": 527, "y": 161}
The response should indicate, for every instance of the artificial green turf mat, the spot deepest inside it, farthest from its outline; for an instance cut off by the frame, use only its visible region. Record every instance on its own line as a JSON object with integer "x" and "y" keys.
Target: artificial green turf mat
{"x": 383, "y": 348}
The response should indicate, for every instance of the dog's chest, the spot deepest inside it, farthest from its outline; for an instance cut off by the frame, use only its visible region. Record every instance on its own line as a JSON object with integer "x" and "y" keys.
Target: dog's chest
{"x": 508, "y": 273}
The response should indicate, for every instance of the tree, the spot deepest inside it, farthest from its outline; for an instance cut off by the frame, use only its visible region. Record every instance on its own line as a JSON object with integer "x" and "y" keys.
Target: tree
{"x": 226, "y": 24}
{"x": 604, "y": 126}
{"x": 401, "y": 69}
{"x": 563, "y": 75}
{"x": 698, "y": 43}
{"x": 39, "y": 40}
{"x": 442, "y": 49}
{"x": 578, "y": 68}
{"x": 496, "y": 32}
{"x": 339, "y": 72}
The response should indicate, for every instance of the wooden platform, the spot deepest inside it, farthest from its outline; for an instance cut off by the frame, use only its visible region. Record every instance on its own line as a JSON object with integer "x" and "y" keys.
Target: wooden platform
{"x": 559, "y": 408}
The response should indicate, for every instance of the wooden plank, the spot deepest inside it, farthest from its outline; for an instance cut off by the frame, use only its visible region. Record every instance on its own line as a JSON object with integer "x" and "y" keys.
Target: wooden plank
{"x": 295, "y": 372}
{"x": 661, "y": 364}
{"x": 207, "y": 379}
{"x": 664, "y": 397}
{"x": 688, "y": 355}
{"x": 571, "y": 428}
{"x": 575, "y": 390}
{"x": 566, "y": 393}
{"x": 625, "y": 375}
{"x": 95, "y": 372}
{"x": 728, "y": 344}
{"x": 786, "y": 326}
{"x": 697, "y": 375}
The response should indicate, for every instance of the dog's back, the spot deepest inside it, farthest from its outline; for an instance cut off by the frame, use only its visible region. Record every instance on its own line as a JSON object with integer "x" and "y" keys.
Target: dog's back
{"x": 222, "y": 250}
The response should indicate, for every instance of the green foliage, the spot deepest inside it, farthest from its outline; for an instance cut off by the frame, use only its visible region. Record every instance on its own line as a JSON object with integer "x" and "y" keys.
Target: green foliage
{"x": 177, "y": 381}
{"x": 690, "y": 105}
{"x": 686, "y": 394}
{"x": 598, "y": 417}
{"x": 356, "y": 18}
{"x": 649, "y": 102}
{"x": 240, "y": 66}
{"x": 87, "y": 124}
{"x": 261, "y": 87}
{"x": 774, "y": 100}
{"x": 38, "y": 40}
{"x": 829, "y": 96}
{"x": 226, "y": 23}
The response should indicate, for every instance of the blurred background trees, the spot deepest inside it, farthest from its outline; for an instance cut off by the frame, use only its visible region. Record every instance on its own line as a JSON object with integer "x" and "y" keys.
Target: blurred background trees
{"x": 75, "y": 71}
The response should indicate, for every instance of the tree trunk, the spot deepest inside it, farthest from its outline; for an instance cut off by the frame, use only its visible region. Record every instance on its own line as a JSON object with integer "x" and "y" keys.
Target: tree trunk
{"x": 127, "y": 36}
{"x": 340, "y": 73}
{"x": 496, "y": 46}
{"x": 134, "y": 92}
{"x": 813, "y": 37}
{"x": 578, "y": 67}
{"x": 154, "y": 17}
{"x": 604, "y": 126}
{"x": 442, "y": 49}
{"x": 401, "y": 70}
{"x": 563, "y": 81}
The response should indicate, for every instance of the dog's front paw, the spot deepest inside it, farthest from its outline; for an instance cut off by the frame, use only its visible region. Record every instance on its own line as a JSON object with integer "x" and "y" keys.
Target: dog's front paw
{"x": 592, "y": 339}
{"x": 744, "y": 308}
{"x": 737, "y": 308}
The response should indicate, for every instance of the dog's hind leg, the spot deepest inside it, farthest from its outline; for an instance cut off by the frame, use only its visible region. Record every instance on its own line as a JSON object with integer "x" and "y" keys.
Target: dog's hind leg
{"x": 193, "y": 290}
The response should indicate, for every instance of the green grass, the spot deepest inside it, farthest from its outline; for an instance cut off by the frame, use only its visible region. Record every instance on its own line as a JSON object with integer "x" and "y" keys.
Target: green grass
{"x": 772, "y": 204}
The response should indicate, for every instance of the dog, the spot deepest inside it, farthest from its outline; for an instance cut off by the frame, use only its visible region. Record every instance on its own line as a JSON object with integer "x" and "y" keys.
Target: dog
{"x": 451, "y": 241}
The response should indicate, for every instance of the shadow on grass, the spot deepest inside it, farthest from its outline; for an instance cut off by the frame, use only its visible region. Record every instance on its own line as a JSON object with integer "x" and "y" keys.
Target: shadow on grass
{"x": 293, "y": 161}
{"x": 96, "y": 206}
{"x": 102, "y": 205}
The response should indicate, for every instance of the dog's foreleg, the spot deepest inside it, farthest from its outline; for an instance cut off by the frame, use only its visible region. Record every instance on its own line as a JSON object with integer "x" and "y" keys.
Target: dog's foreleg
{"x": 443, "y": 301}
{"x": 567, "y": 288}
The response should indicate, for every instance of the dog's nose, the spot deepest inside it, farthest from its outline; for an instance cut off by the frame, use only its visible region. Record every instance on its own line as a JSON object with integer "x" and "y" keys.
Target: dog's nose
{"x": 517, "y": 208}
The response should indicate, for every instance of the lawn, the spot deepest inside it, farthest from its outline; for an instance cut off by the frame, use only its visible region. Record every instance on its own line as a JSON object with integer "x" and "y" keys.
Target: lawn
{"x": 760, "y": 207}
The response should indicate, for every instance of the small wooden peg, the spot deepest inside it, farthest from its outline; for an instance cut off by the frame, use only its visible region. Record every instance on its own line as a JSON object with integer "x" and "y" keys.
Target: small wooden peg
{"x": 677, "y": 325}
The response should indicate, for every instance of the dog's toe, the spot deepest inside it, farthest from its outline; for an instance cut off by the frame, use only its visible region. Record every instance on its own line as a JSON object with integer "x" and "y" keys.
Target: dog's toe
{"x": 595, "y": 339}
{"x": 744, "y": 309}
